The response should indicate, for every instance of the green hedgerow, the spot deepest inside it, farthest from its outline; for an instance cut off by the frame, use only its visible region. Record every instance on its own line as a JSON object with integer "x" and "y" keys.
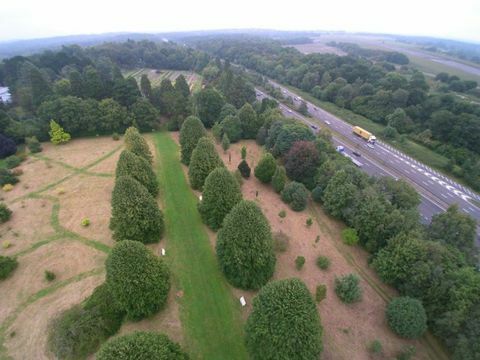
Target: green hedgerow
{"x": 138, "y": 168}
{"x": 295, "y": 194}
{"x": 142, "y": 346}
{"x": 348, "y": 288}
{"x": 5, "y": 213}
{"x": 7, "y": 265}
{"x": 203, "y": 161}
{"x": 284, "y": 323}
{"x": 138, "y": 280}
{"x": 406, "y": 317}
{"x": 135, "y": 213}
{"x": 137, "y": 144}
{"x": 221, "y": 193}
{"x": 190, "y": 133}
{"x": 323, "y": 262}
{"x": 266, "y": 168}
{"x": 244, "y": 247}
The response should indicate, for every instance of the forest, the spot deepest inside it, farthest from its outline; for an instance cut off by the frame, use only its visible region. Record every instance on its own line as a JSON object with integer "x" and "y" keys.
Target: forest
{"x": 377, "y": 85}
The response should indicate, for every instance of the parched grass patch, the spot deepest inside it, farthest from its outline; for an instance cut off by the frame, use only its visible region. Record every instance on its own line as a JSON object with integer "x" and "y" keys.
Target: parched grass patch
{"x": 210, "y": 317}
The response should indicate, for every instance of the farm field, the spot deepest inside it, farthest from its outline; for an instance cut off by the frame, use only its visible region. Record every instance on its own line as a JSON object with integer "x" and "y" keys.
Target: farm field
{"x": 156, "y": 76}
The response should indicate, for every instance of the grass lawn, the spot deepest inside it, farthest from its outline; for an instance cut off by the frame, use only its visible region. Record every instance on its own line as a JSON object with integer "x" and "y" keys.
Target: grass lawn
{"x": 210, "y": 315}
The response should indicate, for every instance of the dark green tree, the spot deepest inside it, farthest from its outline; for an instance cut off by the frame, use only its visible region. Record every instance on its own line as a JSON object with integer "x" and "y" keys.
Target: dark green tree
{"x": 244, "y": 247}
{"x": 284, "y": 323}
{"x": 406, "y": 317}
{"x": 204, "y": 160}
{"x": 339, "y": 194}
{"x": 221, "y": 193}
{"x": 266, "y": 168}
{"x": 138, "y": 168}
{"x": 231, "y": 126}
{"x": 279, "y": 179}
{"x": 181, "y": 86}
{"x": 348, "y": 288}
{"x": 7, "y": 265}
{"x": 208, "y": 104}
{"x": 137, "y": 144}
{"x": 146, "y": 86}
{"x": 244, "y": 169}
{"x": 249, "y": 121}
{"x": 295, "y": 194}
{"x": 92, "y": 84}
{"x": 145, "y": 115}
{"x": 192, "y": 130}
{"x": 5, "y": 213}
{"x": 135, "y": 213}
{"x": 138, "y": 280}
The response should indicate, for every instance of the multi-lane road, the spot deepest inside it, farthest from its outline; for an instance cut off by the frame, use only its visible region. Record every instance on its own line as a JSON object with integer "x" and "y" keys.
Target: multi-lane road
{"x": 436, "y": 190}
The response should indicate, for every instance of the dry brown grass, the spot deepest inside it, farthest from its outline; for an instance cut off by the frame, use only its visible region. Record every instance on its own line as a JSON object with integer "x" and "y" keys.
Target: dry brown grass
{"x": 348, "y": 329}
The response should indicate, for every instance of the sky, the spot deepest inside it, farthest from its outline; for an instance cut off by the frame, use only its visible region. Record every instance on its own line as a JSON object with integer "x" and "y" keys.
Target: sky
{"x": 25, "y": 19}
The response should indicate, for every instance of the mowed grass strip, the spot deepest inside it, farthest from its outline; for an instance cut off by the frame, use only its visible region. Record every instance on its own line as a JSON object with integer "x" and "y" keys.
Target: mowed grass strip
{"x": 210, "y": 315}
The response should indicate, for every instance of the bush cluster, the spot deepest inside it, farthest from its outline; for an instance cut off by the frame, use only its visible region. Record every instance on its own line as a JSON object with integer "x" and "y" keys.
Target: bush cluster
{"x": 406, "y": 317}
{"x": 284, "y": 323}
{"x": 244, "y": 247}
{"x": 348, "y": 288}
{"x": 13, "y": 161}
{"x": 138, "y": 279}
{"x": 295, "y": 194}
{"x": 7, "y": 265}
{"x": 7, "y": 177}
{"x": 141, "y": 345}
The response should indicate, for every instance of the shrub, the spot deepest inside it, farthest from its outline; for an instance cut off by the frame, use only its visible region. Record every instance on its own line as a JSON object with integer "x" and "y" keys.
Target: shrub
{"x": 348, "y": 289}
{"x": 221, "y": 193}
{"x": 7, "y": 177}
{"x": 192, "y": 130}
{"x": 282, "y": 214}
{"x": 225, "y": 142}
{"x": 406, "y": 353}
{"x": 7, "y": 265}
{"x": 33, "y": 144}
{"x": 266, "y": 168}
{"x": 309, "y": 222}
{"x": 244, "y": 247}
{"x": 280, "y": 241}
{"x": 320, "y": 292}
{"x": 244, "y": 153}
{"x": 138, "y": 168}
{"x": 7, "y": 187}
{"x": 85, "y": 222}
{"x": 135, "y": 213}
{"x": 12, "y": 161}
{"x": 115, "y": 136}
{"x": 299, "y": 262}
{"x": 323, "y": 262}
{"x": 279, "y": 179}
{"x": 78, "y": 332}
{"x": 317, "y": 193}
{"x": 375, "y": 347}
{"x": 5, "y": 213}
{"x": 244, "y": 169}
{"x": 49, "y": 275}
{"x": 138, "y": 280}
{"x": 203, "y": 161}
{"x": 295, "y": 195}
{"x": 137, "y": 144}
{"x": 141, "y": 345}
{"x": 58, "y": 136}
{"x": 284, "y": 323}
{"x": 406, "y": 317}
{"x": 349, "y": 236}
{"x": 7, "y": 146}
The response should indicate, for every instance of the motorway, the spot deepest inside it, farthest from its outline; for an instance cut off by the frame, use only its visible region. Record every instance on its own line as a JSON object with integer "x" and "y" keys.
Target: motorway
{"x": 436, "y": 190}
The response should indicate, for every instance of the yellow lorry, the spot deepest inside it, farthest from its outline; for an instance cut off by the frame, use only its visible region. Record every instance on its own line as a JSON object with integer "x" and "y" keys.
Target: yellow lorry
{"x": 364, "y": 134}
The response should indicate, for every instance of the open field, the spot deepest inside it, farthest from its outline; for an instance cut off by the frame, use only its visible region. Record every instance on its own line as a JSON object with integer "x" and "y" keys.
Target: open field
{"x": 210, "y": 314}
{"x": 318, "y": 47}
{"x": 156, "y": 76}
{"x": 59, "y": 187}
{"x": 348, "y": 329}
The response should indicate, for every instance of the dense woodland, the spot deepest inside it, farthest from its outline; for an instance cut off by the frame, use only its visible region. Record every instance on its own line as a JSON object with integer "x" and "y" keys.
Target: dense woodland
{"x": 377, "y": 85}
{"x": 85, "y": 92}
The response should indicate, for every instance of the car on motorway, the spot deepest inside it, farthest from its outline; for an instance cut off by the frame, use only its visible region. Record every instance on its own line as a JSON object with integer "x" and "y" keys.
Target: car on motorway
{"x": 290, "y": 111}
{"x": 295, "y": 98}
{"x": 370, "y": 145}
{"x": 328, "y": 122}
{"x": 314, "y": 127}
{"x": 356, "y": 153}
{"x": 314, "y": 108}
{"x": 284, "y": 91}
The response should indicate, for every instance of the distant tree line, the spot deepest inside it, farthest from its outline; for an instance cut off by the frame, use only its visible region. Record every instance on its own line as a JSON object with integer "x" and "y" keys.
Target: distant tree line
{"x": 398, "y": 97}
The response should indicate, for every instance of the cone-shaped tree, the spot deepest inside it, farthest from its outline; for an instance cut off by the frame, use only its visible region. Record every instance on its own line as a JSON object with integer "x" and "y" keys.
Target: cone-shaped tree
{"x": 181, "y": 86}
{"x": 244, "y": 247}
{"x": 135, "y": 213}
{"x": 57, "y": 134}
{"x": 244, "y": 169}
{"x": 138, "y": 168}
{"x": 266, "y": 168}
{"x": 138, "y": 280}
{"x": 137, "y": 144}
{"x": 279, "y": 179}
{"x": 192, "y": 130}
{"x": 204, "y": 159}
{"x": 284, "y": 323}
{"x": 249, "y": 120}
{"x": 141, "y": 345}
{"x": 221, "y": 193}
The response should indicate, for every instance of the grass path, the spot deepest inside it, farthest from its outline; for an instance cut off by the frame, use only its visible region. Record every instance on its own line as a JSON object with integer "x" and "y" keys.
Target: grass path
{"x": 209, "y": 313}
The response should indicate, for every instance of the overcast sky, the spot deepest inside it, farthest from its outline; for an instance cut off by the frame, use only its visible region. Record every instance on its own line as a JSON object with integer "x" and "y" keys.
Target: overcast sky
{"x": 21, "y": 19}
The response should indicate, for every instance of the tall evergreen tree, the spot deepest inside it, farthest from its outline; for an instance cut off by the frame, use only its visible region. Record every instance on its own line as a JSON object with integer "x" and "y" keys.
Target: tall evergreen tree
{"x": 192, "y": 130}
{"x": 146, "y": 86}
{"x": 181, "y": 86}
{"x": 204, "y": 160}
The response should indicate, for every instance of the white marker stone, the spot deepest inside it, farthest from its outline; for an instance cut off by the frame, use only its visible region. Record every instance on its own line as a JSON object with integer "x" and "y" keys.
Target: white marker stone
{"x": 242, "y": 301}
{"x": 163, "y": 252}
